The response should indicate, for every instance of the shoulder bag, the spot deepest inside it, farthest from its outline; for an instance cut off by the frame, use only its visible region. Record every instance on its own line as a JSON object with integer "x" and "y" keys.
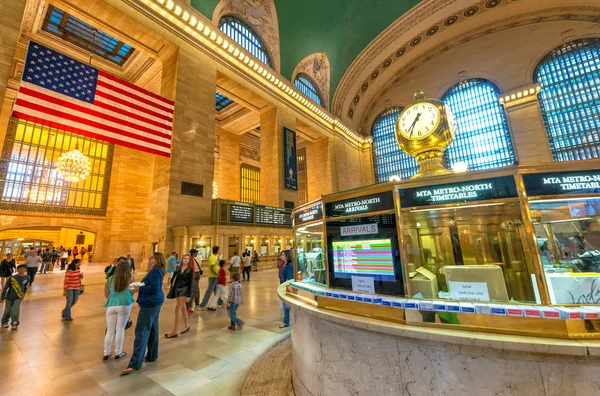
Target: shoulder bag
{"x": 172, "y": 292}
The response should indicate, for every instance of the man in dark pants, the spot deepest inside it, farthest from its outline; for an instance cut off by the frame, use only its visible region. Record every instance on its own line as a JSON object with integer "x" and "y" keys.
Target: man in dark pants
{"x": 196, "y": 265}
{"x": 131, "y": 262}
{"x": 32, "y": 263}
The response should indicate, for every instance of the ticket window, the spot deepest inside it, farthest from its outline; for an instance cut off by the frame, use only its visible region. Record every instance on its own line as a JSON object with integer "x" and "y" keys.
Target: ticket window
{"x": 568, "y": 241}
{"x": 277, "y": 243}
{"x": 480, "y": 247}
{"x": 249, "y": 244}
{"x": 309, "y": 253}
{"x": 264, "y": 246}
{"x": 203, "y": 246}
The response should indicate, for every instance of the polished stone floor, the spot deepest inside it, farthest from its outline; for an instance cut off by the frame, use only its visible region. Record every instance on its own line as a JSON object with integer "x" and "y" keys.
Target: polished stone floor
{"x": 48, "y": 357}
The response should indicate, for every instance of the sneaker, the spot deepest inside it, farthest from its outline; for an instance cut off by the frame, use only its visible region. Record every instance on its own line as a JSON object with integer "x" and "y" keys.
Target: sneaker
{"x": 5, "y": 326}
{"x": 67, "y": 319}
{"x": 241, "y": 324}
{"x": 211, "y": 309}
{"x": 201, "y": 308}
{"x": 15, "y": 325}
{"x": 221, "y": 305}
{"x": 231, "y": 327}
{"x": 120, "y": 355}
{"x": 190, "y": 311}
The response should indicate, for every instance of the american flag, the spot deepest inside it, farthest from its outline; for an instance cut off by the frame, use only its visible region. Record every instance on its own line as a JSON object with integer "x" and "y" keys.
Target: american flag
{"x": 63, "y": 93}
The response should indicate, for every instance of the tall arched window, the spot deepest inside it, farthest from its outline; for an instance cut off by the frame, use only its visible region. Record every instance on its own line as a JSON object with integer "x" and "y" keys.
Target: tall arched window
{"x": 482, "y": 138}
{"x": 308, "y": 87}
{"x": 388, "y": 159}
{"x": 243, "y": 34}
{"x": 570, "y": 99}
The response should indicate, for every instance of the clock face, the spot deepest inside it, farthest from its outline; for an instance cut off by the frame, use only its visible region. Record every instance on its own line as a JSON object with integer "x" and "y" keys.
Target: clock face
{"x": 451, "y": 120}
{"x": 419, "y": 121}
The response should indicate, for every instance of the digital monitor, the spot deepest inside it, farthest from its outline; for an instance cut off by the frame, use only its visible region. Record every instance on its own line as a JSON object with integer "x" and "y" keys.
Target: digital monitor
{"x": 372, "y": 257}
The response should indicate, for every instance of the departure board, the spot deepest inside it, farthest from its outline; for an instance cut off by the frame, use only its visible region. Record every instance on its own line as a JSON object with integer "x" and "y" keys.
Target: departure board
{"x": 272, "y": 215}
{"x": 241, "y": 214}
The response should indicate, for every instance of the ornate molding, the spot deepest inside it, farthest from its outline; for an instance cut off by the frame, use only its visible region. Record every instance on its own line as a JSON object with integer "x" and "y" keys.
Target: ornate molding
{"x": 249, "y": 152}
{"x": 317, "y": 67}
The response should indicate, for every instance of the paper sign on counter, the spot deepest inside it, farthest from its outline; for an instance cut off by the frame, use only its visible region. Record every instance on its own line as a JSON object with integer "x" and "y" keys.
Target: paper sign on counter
{"x": 363, "y": 284}
{"x": 469, "y": 291}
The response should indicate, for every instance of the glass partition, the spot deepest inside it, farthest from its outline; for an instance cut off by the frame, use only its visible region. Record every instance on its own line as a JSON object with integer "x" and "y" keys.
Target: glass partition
{"x": 568, "y": 240}
{"x": 309, "y": 253}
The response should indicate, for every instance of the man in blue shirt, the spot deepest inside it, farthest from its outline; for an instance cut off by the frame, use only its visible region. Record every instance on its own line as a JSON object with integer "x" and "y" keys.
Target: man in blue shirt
{"x": 171, "y": 265}
{"x": 12, "y": 295}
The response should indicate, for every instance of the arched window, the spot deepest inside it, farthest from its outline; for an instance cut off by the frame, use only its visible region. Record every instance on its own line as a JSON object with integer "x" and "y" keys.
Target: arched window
{"x": 243, "y": 34}
{"x": 388, "y": 159}
{"x": 570, "y": 99}
{"x": 308, "y": 87}
{"x": 482, "y": 139}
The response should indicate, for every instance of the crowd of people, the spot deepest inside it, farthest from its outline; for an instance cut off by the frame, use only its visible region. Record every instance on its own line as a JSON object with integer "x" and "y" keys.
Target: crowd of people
{"x": 183, "y": 277}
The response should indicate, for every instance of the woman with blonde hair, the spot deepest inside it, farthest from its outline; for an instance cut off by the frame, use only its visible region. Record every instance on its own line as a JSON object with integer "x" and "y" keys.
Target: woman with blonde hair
{"x": 150, "y": 300}
{"x": 181, "y": 289}
{"x": 118, "y": 308}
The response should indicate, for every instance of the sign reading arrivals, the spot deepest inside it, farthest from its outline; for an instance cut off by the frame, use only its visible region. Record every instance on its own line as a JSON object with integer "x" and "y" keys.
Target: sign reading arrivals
{"x": 553, "y": 183}
{"x": 360, "y": 205}
{"x": 290, "y": 169}
{"x": 476, "y": 190}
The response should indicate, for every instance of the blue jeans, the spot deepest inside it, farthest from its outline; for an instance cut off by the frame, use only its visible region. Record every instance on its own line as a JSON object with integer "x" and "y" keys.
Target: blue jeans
{"x": 286, "y": 315}
{"x": 233, "y": 314}
{"x": 146, "y": 337}
{"x": 212, "y": 289}
{"x": 72, "y": 297}
{"x": 12, "y": 308}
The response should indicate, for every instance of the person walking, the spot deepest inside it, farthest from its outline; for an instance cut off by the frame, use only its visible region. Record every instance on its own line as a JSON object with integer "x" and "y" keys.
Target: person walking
{"x": 64, "y": 256}
{"x": 233, "y": 302}
{"x": 7, "y": 267}
{"x": 171, "y": 266}
{"x": 69, "y": 251}
{"x": 150, "y": 299}
{"x": 32, "y": 263}
{"x": 131, "y": 261}
{"x": 46, "y": 259}
{"x": 118, "y": 308}
{"x": 235, "y": 264}
{"x": 72, "y": 288}
{"x": 221, "y": 287}
{"x": 286, "y": 274}
{"x": 12, "y": 295}
{"x": 247, "y": 262}
{"x": 196, "y": 265}
{"x": 255, "y": 261}
{"x": 75, "y": 252}
{"x": 213, "y": 274}
{"x": 181, "y": 290}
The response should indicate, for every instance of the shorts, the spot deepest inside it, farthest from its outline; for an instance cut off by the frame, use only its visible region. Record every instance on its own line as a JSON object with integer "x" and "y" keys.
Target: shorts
{"x": 181, "y": 292}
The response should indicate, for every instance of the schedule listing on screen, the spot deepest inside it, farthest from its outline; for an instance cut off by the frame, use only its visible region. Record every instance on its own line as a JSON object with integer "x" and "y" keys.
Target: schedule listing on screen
{"x": 367, "y": 257}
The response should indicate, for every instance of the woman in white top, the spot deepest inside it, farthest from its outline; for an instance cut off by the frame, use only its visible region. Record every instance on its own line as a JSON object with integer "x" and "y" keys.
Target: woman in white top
{"x": 64, "y": 256}
{"x": 247, "y": 265}
{"x": 235, "y": 262}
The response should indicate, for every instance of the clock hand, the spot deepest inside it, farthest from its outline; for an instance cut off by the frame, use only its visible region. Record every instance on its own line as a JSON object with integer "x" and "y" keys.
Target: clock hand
{"x": 412, "y": 126}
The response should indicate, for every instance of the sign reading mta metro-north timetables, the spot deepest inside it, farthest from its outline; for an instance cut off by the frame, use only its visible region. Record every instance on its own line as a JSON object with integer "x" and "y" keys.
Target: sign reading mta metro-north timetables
{"x": 554, "y": 183}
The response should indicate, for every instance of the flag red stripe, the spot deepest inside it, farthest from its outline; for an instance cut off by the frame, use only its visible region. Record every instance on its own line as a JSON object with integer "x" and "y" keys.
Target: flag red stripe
{"x": 133, "y": 96}
{"x": 132, "y": 105}
{"x": 68, "y": 128}
{"x": 134, "y": 116}
{"x": 84, "y": 109}
{"x": 83, "y": 121}
{"x": 135, "y": 87}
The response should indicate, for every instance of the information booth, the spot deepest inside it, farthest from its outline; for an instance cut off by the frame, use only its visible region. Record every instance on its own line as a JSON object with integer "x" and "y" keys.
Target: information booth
{"x": 514, "y": 250}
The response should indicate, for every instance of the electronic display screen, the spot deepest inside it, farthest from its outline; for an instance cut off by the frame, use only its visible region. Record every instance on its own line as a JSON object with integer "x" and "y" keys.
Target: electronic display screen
{"x": 372, "y": 257}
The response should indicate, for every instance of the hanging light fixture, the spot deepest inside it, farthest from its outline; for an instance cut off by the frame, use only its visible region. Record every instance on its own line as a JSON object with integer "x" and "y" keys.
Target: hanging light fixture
{"x": 73, "y": 166}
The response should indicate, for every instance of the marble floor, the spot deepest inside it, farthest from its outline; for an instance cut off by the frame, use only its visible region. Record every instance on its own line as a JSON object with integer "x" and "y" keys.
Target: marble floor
{"x": 48, "y": 357}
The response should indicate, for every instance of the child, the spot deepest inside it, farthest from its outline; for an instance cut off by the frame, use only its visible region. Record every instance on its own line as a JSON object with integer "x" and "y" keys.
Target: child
{"x": 13, "y": 293}
{"x": 234, "y": 300}
{"x": 221, "y": 293}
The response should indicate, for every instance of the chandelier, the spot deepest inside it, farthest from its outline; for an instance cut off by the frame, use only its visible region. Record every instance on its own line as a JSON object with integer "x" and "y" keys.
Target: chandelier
{"x": 73, "y": 166}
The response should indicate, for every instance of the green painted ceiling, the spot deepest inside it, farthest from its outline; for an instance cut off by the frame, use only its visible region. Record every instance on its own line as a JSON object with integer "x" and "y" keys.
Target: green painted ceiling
{"x": 342, "y": 28}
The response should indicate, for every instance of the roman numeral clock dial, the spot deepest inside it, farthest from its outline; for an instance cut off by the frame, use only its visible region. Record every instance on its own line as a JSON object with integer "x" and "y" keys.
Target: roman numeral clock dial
{"x": 419, "y": 121}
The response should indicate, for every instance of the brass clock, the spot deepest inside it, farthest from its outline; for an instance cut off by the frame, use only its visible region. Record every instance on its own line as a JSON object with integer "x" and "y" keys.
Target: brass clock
{"x": 424, "y": 130}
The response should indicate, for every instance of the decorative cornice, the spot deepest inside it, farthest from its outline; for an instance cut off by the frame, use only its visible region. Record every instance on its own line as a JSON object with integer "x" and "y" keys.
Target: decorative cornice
{"x": 194, "y": 28}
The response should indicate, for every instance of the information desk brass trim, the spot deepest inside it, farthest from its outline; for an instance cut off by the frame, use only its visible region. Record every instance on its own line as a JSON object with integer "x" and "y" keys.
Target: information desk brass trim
{"x": 369, "y": 310}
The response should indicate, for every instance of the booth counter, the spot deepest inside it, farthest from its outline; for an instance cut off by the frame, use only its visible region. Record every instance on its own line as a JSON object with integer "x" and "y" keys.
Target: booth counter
{"x": 512, "y": 251}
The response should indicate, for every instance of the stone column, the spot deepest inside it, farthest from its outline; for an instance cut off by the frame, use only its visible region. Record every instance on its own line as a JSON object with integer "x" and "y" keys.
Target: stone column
{"x": 189, "y": 77}
{"x": 527, "y": 127}
{"x": 319, "y": 168}
{"x": 272, "y": 190}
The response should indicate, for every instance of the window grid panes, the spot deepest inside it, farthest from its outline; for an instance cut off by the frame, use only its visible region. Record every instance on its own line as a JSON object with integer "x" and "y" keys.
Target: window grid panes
{"x": 570, "y": 99}
{"x": 302, "y": 176}
{"x": 242, "y": 34}
{"x": 250, "y": 184}
{"x": 482, "y": 138}
{"x": 308, "y": 88}
{"x": 29, "y": 180}
{"x": 75, "y": 31}
{"x": 388, "y": 159}
{"x": 222, "y": 101}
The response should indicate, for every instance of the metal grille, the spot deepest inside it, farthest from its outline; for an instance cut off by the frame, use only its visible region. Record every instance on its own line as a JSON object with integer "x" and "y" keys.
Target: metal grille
{"x": 305, "y": 84}
{"x": 222, "y": 101}
{"x": 250, "y": 184}
{"x": 482, "y": 138}
{"x": 75, "y": 31}
{"x": 302, "y": 177}
{"x": 388, "y": 159}
{"x": 570, "y": 99}
{"x": 242, "y": 34}
{"x": 29, "y": 180}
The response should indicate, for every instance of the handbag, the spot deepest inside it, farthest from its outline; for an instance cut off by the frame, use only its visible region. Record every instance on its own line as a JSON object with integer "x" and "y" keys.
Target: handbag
{"x": 172, "y": 292}
{"x": 199, "y": 273}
